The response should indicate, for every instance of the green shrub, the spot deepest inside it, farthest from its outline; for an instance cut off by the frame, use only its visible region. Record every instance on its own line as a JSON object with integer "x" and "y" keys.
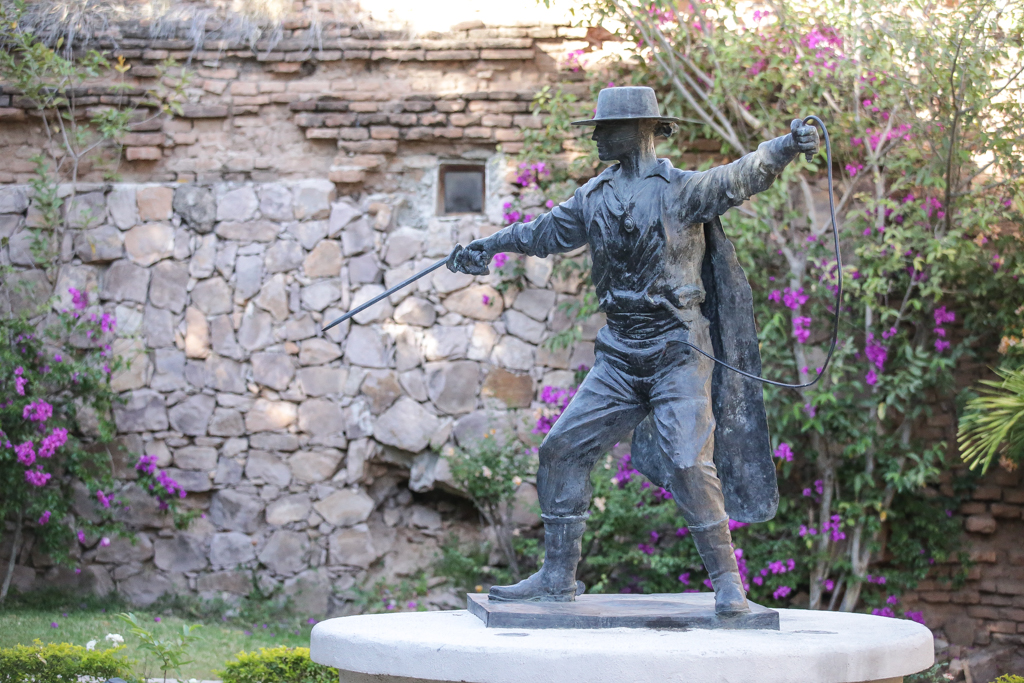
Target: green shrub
{"x": 1009, "y": 678}
{"x": 277, "y": 665}
{"x": 60, "y": 662}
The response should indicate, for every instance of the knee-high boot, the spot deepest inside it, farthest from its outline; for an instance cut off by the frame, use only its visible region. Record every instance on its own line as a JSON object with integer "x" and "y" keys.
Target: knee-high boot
{"x": 556, "y": 580}
{"x": 714, "y": 543}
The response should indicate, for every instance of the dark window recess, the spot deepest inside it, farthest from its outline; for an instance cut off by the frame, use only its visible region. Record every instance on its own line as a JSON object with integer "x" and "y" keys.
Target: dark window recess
{"x": 462, "y": 189}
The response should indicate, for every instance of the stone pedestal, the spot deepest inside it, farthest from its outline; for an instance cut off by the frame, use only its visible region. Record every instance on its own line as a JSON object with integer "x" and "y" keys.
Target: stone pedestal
{"x": 809, "y": 647}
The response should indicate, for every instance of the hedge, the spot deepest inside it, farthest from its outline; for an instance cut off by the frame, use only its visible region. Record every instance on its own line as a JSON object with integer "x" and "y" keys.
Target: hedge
{"x": 60, "y": 663}
{"x": 277, "y": 665}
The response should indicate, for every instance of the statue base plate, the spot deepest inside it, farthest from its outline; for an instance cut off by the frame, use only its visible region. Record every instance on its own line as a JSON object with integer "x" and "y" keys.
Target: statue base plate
{"x": 676, "y": 611}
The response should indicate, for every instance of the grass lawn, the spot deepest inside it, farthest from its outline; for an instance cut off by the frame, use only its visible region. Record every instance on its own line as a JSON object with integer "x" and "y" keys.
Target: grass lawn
{"x": 218, "y": 638}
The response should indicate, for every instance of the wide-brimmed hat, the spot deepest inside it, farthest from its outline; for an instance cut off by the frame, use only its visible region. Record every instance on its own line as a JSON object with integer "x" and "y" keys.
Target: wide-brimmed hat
{"x": 624, "y": 104}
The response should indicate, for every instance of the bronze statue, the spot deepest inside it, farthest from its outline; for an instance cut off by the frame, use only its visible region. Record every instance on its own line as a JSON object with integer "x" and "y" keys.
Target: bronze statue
{"x": 665, "y": 274}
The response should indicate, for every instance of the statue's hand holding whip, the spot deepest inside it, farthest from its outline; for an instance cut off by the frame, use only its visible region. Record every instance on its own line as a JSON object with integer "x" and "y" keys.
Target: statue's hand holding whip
{"x": 805, "y": 138}
{"x": 472, "y": 259}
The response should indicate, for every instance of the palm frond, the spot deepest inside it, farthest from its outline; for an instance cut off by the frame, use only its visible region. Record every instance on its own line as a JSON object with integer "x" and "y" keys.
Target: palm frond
{"x": 993, "y": 423}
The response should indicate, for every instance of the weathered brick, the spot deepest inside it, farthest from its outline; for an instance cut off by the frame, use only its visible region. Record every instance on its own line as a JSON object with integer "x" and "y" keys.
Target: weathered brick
{"x": 497, "y": 120}
{"x": 339, "y": 120}
{"x": 254, "y": 100}
{"x": 143, "y": 153}
{"x": 1010, "y": 587}
{"x": 508, "y": 135}
{"x": 527, "y": 121}
{"x": 1012, "y": 613}
{"x": 369, "y": 162}
{"x": 450, "y": 106}
{"x": 1014, "y": 496}
{"x": 1004, "y": 511}
{"x": 347, "y": 175}
{"x": 331, "y": 105}
{"x": 507, "y": 54}
{"x": 418, "y": 133}
{"x": 322, "y": 133}
{"x": 370, "y": 147}
{"x": 143, "y": 139}
{"x": 215, "y": 86}
{"x": 397, "y": 55}
{"x": 204, "y": 111}
{"x": 983, "y": 556}
{"x": 328, "y": 56}
{"x": 317, "y": 87}
{"x": 286, "y": 67}
{"x": 402, "y": 119}
{"x": 479, "y": 133}
{"x": 996, "y": 599}
{"x": 417, "y": 106}
{"x": 307, "y": 105}
{"x": 272, "y": 87}
{"x": 363, "y": 106}
{"x": 462, "y": 120}
{"x": 980, "y": 524}
{"x": 354, "y": 134}
{"x": 384, "y": 133}
{"x": 973, "y": 508}
{"x": 988, "y": 493}
{"x": 965, "y": 597}
{"x": 935, "y": 596}
{"x": 310, "y": 120}
{"x": 244, "y": 88}
{"x": 356, "y": 54}
{"x": 982, "y": 612}
{"x": 1002, "y": 627}
{"x": 448, "y": 133}
{"x": 451, "y": 55}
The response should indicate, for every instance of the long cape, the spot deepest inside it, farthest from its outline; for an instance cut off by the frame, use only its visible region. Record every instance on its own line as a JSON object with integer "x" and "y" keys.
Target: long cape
{"x": 743, "y": 453}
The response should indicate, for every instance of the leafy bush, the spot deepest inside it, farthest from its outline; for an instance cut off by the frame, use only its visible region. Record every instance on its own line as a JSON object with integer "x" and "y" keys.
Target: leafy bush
{"x": 60, "y": 662}
{"x": 277, "y": 665}
{"x": 1009, "y": 678}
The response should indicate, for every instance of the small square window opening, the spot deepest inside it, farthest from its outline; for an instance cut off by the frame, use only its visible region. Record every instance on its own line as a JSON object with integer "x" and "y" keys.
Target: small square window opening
{"x": 462, "y": 189}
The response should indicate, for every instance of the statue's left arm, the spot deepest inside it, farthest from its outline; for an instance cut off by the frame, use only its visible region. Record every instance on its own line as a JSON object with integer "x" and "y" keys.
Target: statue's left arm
{"x": 708, "y": 194}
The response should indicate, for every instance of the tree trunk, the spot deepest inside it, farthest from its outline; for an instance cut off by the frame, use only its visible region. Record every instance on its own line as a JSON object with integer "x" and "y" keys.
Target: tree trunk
{"x": 14, "y": 558}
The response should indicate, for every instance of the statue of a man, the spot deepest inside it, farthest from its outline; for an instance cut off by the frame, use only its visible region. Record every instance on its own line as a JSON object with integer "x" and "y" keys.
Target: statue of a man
{"x": 664, "y": 272}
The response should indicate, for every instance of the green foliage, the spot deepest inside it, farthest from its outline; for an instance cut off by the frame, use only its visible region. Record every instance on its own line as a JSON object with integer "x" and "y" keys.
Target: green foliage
{"x": 278, "y": 664}
{"x": 991, "y": 424}
{"x": 61, "y": 662}
{"x": 1009, "y": 678}
{"x": 171, "y": 653}
{"x": 490, "y": 473}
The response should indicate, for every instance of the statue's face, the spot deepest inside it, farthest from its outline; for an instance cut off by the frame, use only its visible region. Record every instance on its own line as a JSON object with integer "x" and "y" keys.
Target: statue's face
{"x": 616, "y": 139}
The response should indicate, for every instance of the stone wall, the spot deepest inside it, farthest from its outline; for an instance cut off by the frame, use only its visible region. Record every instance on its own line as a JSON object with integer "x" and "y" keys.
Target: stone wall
{"x": 347, "y": 102}
{"x": 296, "y": 445}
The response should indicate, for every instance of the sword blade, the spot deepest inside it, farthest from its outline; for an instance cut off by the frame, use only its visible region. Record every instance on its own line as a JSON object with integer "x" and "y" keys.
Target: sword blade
{"x": 381, "y": 297}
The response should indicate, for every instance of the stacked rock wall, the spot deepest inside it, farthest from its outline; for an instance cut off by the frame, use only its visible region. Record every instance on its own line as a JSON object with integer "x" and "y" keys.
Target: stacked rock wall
{"x": 296, "y": 445}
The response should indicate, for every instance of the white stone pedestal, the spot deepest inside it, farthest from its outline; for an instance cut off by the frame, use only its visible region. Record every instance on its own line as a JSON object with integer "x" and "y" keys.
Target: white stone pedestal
{"x": 810, "y": 647}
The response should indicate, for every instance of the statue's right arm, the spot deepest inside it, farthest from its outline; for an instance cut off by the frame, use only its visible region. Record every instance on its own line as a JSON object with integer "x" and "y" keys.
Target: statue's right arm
{"x": 559, "y": 230}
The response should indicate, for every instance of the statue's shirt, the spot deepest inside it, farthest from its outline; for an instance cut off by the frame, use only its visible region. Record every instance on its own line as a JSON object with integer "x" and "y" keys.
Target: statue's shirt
{"x": 647, "y": 248}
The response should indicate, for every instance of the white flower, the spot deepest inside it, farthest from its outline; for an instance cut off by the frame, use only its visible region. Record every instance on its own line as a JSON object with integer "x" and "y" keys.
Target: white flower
{"x": 91, "y": 645}
{"x": 486, "y": 471}
{"x": 517, "y": 481}
{"x": 115, "y": 638}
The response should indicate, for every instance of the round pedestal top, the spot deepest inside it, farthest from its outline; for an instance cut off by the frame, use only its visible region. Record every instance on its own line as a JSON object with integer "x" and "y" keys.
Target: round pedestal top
{"x": 810, "y": 647}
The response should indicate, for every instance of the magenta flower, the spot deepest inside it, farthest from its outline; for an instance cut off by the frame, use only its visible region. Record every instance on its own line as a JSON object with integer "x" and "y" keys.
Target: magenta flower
{"x": 49, "y": 445}
{"x": 44, "y": 518}
{"x": 19, "y": 381}
{"x": 794, "y": 300}
{"x": 37, "y": 411}
{"x": 800, "y": 330}
{"x": 883, "y": 612}
{"x": 915, "y": 616}
{"x": 875, "y": 352}
{"x": 104, "y": 542}
{"x": 499, "y": 260}
{"x": 37, "y": 477}
{"x": 26, "y": 453}
{"x": 853, "y": 170}
{"x": 104, "y": 499}
{"x": 486, "y": 299}
{"x": 781, "y": 592}
{"x": 78, "y": 299}
{"x": 684, "y": 578}
{"x": 871, "y": 378}
{"x": 54, "y": 624}
{"x": 81, "y": 536}
{"x": 943, "y": 316}
{"x": 682, "y": 531}
{"x": 941, "y": 345}
{"x": 784, "y": 452}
